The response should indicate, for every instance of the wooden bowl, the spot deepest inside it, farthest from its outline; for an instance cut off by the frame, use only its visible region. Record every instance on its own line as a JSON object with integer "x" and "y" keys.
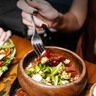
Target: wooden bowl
{"x": 34, "y": 88}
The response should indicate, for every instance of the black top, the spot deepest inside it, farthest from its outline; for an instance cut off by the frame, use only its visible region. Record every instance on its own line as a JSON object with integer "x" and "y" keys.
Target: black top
{"x": 62, "y": 2}
{"x": 10, "y": 16}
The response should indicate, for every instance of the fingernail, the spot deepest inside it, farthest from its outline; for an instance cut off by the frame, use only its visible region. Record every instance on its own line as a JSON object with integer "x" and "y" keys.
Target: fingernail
{"x": 34, "y": 12}
{"x": 43, "y": 25}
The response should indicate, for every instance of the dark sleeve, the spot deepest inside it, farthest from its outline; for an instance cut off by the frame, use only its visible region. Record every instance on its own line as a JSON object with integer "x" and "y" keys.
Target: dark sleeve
{"x": 10, "y": 16}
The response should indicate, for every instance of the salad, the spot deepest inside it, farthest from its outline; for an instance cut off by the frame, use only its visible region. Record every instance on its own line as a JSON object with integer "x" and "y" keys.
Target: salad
{"x": 7, "y": 52}
{"x": 51, "y": 69}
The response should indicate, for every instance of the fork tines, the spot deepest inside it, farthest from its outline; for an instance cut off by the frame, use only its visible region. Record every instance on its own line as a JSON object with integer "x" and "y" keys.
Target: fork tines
{"x": 36, "y": 40}
{"x": 39, "y": 48}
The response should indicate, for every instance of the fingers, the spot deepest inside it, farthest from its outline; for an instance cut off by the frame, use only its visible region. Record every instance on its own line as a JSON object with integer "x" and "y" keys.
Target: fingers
{"x": 38, "y": 29}
{"x": 43, "y": 12}
{"x": 27, "y": 10}
{"x": 26, "y": 16}
{"x": 25, "y": 7}
{"x": 28, "y": 5}
{"x": 42, "y": 4}
{"x": 27, "y": 20}
{"x": 1, "y": 32}
{"x": 44, "y": 8}
{"x": 4, "y": 35}
{"x": 8, "y": 33}
{"x": 30, "y": 26}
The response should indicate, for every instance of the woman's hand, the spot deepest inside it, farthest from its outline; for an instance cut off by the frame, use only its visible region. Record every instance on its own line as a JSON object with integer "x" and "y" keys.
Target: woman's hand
{"x": 42, "y": 11}
{"x": 4, "y": 35}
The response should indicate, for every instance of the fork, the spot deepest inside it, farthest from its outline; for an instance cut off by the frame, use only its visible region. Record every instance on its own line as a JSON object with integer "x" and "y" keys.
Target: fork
{"x": 36, "y": 40}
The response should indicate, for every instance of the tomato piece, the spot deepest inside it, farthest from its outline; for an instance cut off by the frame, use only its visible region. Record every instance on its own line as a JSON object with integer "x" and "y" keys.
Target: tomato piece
{"x": 45, "y": 53}
{"x": 7, "y": 51}
{"x": 55, "y": 62}
{"x": 1, "y": 62}
{"x": 63, "y": 59}
{"x": 54, "y": 59}
{"x": 73, "y": 73}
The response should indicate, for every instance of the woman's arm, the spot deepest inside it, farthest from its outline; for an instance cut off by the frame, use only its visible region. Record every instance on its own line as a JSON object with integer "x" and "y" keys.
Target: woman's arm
{"x": 75, "y": 18}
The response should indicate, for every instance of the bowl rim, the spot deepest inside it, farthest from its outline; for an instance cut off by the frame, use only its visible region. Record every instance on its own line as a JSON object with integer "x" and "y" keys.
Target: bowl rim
{"x": 92, "y": 89}
{"x": 54, "y": 86}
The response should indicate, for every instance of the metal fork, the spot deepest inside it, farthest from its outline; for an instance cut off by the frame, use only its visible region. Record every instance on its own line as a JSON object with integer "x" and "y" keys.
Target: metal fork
{"x": 36, "y": 40}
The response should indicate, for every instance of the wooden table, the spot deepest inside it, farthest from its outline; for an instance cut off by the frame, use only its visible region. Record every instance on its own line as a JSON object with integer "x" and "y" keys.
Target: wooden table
{"x": 22, "y": 46}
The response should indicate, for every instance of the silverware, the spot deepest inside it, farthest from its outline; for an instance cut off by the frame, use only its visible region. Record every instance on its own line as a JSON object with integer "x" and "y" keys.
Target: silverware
{"x": 36, "y": 40}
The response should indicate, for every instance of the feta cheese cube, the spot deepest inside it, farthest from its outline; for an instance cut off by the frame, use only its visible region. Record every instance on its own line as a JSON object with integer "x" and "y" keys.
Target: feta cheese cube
{"x": 37, "y": 77}
{"x": 44, "y": 60}
{"x": 66, "y": 61}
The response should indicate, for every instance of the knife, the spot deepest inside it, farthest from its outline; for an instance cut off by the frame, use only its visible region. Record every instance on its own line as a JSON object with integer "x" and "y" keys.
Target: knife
{"x": 14, "y": 87}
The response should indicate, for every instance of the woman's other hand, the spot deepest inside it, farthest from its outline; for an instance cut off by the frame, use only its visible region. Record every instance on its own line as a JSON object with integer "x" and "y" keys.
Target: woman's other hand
{"x": 4, "y": 35}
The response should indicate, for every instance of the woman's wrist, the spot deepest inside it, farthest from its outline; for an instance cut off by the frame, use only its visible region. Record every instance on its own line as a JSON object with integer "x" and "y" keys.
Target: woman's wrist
{"x": 59, "y": 24}
{"x": 66, "y": 23}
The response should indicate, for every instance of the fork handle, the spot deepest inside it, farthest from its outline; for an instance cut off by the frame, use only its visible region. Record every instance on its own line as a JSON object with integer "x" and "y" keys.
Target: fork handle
{"x": 32, "y": 19}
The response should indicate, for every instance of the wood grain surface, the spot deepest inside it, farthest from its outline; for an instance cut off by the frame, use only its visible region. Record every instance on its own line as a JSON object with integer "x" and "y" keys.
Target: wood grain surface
{"x": 22, "y": 46}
